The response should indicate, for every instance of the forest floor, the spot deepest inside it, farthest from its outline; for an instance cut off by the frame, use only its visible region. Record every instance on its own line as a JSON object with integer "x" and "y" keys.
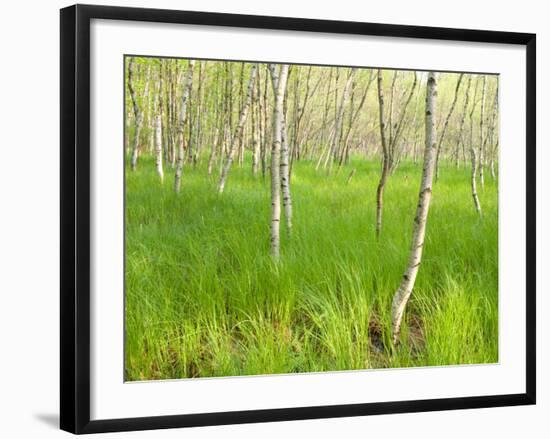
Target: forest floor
{"x": 204, "y": 297}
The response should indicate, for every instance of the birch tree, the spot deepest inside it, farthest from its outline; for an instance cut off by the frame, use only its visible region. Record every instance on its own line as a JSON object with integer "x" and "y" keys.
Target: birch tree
{"x": 473, "y": 157}
{"x": 158, "y": 132}
{"x": 493, "y": 139}
{"x": 325, "y": 116}
{"x": 405, "y": 289}
{"x": 461, "y": 141}
{"x": 385, "y": 156}
{"x": 285, "y": 177}
{"x": 237, "y": 136}
{"x": 256, "y": 128}
{"x": 182, "y": 121}
{"x": 442, "y": 135}
{"x": 354, "y": 114}
{"x": 279, "y": 77}
{"x": 396, "y": 128}
{"x": 138, "y": 115}
{"x": 481, "y": 135}
{"x": 338, "y": 123}
{"x": 388, "y": 145}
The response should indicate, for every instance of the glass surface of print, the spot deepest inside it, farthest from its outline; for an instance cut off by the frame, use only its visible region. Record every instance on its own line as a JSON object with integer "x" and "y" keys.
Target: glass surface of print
{"x": 297, "y": 218}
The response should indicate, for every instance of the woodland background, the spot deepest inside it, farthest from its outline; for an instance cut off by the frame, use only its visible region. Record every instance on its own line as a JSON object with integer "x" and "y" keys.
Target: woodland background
{"x": 205, "y": 296}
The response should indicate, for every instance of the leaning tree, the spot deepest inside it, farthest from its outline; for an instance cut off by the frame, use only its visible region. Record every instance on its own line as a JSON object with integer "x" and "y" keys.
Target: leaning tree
{"x": 405, "y": 289}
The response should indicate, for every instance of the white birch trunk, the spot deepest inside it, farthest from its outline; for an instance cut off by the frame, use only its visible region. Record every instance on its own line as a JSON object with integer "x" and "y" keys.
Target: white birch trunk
{"x": 481, "y": 136}
{"x": 279, "y": 84}
{"x": 138, "y": 116}
{"x": 183, "y": 119}
{"x": 404, "y": 291}
{"x": 463, "y": 120}
{"x": 473, "y": 157}
{"x": 493, "y": 145}
{"x": 158, "y": 147}
{"x": 255, "y": 115}
{"x": 237, "y": 137}
{"x": 285, "y": 177}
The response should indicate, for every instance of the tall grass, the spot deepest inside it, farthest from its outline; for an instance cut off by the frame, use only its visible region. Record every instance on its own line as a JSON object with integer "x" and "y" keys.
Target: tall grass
{"x": 204, "y": 298}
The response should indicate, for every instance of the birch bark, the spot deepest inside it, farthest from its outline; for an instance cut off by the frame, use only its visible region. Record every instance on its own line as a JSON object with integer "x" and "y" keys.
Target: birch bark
{"x": 481, "y": 135}
{"x": 404, "y": 291}
{"x": 182, "y": 121}
{"x": 279, "y": 84}
{"x": 255, "y": 130}
{"x": 493, "y": 144}
{"x": 158, "y": 147}
{"x": 237, "y": 136}
{"x": 463, "y": 120}
{"x": 138, "y": 115}
{"x": 285, "y": 176}
{"x": 158, "y": 132}
{"x": 473, "y": 157}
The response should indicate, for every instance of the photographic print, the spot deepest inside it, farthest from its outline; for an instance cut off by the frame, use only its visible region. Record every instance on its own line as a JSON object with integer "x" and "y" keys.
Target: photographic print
{"x": 301, "y": 218}
{"x": 269, "y": 219}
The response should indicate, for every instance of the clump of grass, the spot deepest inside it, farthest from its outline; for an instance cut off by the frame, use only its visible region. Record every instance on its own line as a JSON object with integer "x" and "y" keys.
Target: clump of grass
{"x": 204, "y": 298}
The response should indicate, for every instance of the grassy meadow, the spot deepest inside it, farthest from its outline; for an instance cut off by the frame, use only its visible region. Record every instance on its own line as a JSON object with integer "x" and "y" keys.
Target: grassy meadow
{"x": 204, "y": 297}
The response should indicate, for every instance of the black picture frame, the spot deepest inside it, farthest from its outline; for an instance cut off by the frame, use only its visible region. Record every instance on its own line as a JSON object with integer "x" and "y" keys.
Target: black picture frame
{"x": 75, "y": 217}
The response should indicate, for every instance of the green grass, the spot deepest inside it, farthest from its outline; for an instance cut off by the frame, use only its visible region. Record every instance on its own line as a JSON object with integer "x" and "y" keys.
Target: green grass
{"x": 204, "y": 298}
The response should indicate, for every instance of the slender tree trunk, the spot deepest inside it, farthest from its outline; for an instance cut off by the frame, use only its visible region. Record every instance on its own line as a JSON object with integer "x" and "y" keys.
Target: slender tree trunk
{"x": 442, "y": 135}
{"x": 338, "y": 123}
{"x": 195, "y": 142}
{"x": 138, "y": 115}
{"x": 157, "y": 131}
{"x": 158, "y": 147}
{"x": 385, "y": 157}
{"x": 298, "y": 135}
{"x": 263, "y": 151}
{"x": 493, "y": 145}
{"x": 279, "y": 85}
{"x": 397, "y": 129}
{"x": 156, "y": 134}
{"x": 324, "y": 123}
{"x": 481, "y": 135}
{"x": 212, "y": 157}
{"x": 237, "y": 137}
{"x": 183, "y": 118}
{"x": 404, "y": 291}
{"x": 463, "y": 120}
{"x": 285, "y": 177}
{"x": 473, "y": 179}
{"x": 255, "y": 130}
{"x": 474, "y": 158}
{"x": 353, "y": 118}
{"x": 215, "y": 125}
{"x": 390, "y": 115}
{"x": 152, "y": 105}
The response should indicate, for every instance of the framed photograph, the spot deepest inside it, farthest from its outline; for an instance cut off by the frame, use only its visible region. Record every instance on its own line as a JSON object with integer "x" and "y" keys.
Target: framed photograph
{"x": 268, "y": 218}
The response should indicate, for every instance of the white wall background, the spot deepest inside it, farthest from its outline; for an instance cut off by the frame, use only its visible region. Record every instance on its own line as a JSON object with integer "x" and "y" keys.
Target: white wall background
{"x": 29, "y": 206}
